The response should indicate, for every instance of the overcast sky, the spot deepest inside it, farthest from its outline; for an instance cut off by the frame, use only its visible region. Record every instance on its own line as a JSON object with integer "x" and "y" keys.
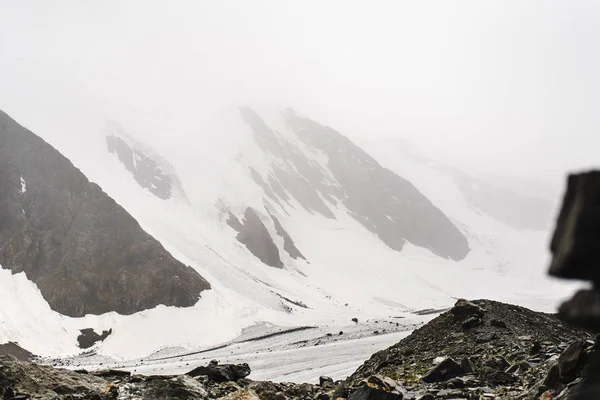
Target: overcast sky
{"x": 502, "y": 86}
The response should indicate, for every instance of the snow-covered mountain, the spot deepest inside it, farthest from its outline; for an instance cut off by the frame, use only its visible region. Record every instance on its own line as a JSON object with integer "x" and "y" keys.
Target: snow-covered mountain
{"x": 289, "y": 222}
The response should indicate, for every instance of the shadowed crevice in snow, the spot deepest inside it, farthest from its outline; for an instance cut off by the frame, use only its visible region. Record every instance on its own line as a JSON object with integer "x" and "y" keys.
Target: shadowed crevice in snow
{"x": 297, "y": 303}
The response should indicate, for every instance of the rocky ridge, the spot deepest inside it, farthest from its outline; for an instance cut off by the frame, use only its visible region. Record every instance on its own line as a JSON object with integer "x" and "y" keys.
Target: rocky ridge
{"x": 485, "y": 348}
{"x": 386, "y": 204}
{"x": 477, "y": 350}
{"x": 84, "y": 252}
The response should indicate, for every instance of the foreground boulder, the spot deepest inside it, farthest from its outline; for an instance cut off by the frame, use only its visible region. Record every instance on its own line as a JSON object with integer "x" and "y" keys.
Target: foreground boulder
{"x": 369, "y": 393}
{"x": 464, "y": 310}
{"x": 571, "y": 360}
{"x": 445, "y": 370}
{"x": 222, "y": 372}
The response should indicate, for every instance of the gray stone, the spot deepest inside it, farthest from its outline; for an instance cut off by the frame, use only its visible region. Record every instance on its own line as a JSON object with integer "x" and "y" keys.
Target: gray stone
{"x": 570, "y": 361}
{"x": 498, "y": 363}
{"x": 485, "y": 337}
{"x": 467, "y": 365}
{"x": 368, "y": 393}
{"x": 325, "y": 381}
{"x": 471, "y": 322}
{"x": 498, "y": 323}
{"x": 464, "y": 309}
{"x": 574, "y": 243}
{"x": 222, "y": 372}
{"x": 552, "y": 377}
{"x": 445, "y": 370}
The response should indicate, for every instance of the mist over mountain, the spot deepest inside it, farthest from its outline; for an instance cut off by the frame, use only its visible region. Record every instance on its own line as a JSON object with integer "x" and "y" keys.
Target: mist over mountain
{"x": 292, "y": 185}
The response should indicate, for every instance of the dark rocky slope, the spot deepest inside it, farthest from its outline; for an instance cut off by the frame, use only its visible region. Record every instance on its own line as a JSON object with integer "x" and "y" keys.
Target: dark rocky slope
{"x": 86, "y": 254}
{"x": 386, "y": 204}
{"x": 485, "y": 348}
{"x": 382, "y": 201}
{"x": 13, "y": 349}
{"x": 478, "y": 350}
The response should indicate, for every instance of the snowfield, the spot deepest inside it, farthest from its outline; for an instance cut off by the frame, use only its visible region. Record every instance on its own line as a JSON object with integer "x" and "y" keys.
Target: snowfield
{"x": 350, "y": 273}
{"x": 279, "y": 359}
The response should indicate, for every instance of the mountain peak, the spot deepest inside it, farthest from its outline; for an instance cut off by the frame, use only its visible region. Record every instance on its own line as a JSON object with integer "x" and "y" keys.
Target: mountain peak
{"x": 86, "y": 254}
{"x": 325, "y": 171}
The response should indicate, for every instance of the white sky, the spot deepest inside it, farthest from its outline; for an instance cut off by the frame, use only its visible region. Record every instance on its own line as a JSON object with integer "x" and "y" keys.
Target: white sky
{"x": 506, "y": 86}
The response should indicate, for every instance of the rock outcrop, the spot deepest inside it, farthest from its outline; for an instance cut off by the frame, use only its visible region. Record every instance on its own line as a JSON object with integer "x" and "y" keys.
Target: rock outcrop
{"x": 89, "y": 337}
{"x": 86, "y": 254}
{"x": 145, "y": 170}
{"x": 288, "y": 243}
{"x": 253, "y": 233}
{"x": 512, "y": 353}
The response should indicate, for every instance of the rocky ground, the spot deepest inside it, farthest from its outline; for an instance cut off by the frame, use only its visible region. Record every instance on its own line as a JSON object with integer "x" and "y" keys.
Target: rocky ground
{"x": 484, "y": 349}
{"x": 477, "y": 350}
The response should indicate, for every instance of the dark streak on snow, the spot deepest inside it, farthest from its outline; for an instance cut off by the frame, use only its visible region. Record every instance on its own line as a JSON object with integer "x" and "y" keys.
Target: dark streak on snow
{"x": 254, "y": 339}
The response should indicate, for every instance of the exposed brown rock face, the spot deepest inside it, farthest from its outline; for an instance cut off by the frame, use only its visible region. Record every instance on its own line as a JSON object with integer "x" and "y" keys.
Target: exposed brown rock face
{"x": 386, "y": 204}
{"x": 86, "y": 254}
{"x": 253, "y": 233}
